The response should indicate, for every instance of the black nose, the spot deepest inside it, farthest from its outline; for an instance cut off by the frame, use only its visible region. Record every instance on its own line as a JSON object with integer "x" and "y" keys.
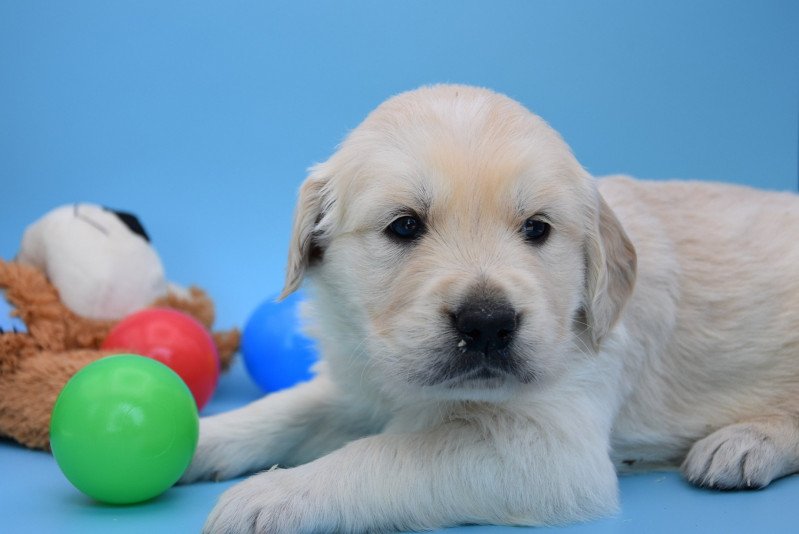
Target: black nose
{"x": 486, "y": 326}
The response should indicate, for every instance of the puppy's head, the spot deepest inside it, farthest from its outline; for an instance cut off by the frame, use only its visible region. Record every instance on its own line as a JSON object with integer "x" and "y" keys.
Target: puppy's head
{"x": 457, "y": 247}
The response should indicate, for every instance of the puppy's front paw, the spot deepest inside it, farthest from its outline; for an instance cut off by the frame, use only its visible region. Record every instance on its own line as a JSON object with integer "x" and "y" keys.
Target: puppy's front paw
{"x": 739, "y": 456}
{"x": 270, "y": 502}
{"x": 217, "y": 456}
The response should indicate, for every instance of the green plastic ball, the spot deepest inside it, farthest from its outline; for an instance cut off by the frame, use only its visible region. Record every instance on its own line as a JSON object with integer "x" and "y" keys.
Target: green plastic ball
{"x": 124, "y": 429}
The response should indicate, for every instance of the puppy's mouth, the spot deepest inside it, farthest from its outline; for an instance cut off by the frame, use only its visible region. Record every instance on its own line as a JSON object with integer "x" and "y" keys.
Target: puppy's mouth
{"x": 475, "y": 369}
{"x": 481, "y": 378}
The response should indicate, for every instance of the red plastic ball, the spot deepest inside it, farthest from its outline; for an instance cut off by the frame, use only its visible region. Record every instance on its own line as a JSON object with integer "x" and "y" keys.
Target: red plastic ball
{"x": 175, "y": 339}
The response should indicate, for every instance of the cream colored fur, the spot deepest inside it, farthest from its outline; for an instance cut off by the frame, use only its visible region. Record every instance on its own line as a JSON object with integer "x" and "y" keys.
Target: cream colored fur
{"x": 658, "y": 326}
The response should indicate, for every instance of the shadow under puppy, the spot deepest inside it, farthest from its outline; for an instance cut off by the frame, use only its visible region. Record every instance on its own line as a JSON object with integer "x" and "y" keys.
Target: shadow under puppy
{"x": 500, "y": 333}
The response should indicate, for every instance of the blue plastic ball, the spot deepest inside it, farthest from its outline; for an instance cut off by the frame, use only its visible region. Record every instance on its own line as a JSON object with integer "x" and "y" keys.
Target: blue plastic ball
{"x": 276, "y": 353}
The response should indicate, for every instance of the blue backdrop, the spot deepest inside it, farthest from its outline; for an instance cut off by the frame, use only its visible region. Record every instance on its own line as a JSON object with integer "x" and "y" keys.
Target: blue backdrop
{"x": 202, "y": 116}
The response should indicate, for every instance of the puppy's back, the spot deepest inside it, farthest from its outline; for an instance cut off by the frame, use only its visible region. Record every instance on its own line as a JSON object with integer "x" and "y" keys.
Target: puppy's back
{"x": 715, "y": 310}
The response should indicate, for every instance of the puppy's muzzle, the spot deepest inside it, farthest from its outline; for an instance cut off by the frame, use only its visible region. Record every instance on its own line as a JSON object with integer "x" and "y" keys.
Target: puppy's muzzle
{"x": 480, "y": 343}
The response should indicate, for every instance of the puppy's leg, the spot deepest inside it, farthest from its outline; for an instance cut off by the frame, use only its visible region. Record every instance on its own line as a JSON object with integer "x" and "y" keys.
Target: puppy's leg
{"x": 286, "y": 428}
{"x": 745, "y": 455}
{"x": 455, "y": 473}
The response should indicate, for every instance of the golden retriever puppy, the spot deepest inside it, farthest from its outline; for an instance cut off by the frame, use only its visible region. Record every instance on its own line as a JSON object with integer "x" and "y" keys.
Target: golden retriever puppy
{"x": 501, "y": 333}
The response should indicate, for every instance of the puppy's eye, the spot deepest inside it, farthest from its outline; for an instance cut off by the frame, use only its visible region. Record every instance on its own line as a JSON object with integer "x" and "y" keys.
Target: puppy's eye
{"x": 535, "y": 230}
{"x": 405, "y": 228}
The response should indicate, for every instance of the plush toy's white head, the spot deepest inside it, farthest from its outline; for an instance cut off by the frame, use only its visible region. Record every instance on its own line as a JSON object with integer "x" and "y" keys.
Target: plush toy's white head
{"x": 101, "y": 261}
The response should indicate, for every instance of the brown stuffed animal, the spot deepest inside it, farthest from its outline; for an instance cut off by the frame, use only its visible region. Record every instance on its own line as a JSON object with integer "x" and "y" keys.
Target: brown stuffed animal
{"x": 81, "y": 268}
{"x": 35, "y": 365}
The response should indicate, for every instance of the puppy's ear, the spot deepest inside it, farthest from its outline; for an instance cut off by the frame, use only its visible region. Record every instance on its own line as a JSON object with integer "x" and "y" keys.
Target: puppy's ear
{"x": 610, "y": 273}
{"x": 304, "y": 247}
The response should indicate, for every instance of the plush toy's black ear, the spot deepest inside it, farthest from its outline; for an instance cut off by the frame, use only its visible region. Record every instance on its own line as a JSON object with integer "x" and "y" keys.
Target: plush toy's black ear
{"x": 305, "y": 246}
{"x": 611, "y": 270}
{"x": 131, "y": 221}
